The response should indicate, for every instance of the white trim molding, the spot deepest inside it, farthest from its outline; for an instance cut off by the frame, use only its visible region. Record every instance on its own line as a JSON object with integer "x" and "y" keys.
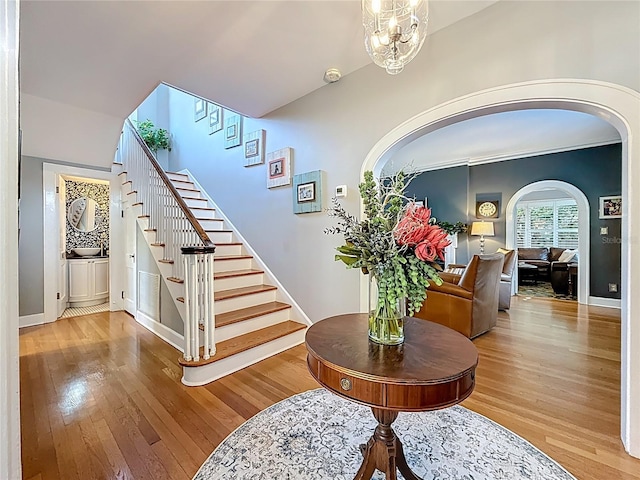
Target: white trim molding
{"x": 605, "y": 302}
{"x": 618, "y": 105}
{"x": 31, "y": 320}
{"x": 165, "y": 333}
{"x": 50, "y": 174}
{"x": 583, "y": 229}
{"x": 10, "y": 466}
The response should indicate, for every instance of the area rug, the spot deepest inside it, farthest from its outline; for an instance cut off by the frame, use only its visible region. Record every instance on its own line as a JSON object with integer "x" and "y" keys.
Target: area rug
{"x": 315, "y": 436}
{"x": 541, "y": 289}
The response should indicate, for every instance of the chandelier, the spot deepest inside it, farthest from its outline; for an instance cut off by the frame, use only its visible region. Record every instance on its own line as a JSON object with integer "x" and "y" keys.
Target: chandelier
{"x": 394, "y": 31}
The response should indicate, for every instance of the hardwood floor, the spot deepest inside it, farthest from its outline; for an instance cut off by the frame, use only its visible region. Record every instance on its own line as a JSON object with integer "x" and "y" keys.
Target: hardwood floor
{"x": 101, "y": 396}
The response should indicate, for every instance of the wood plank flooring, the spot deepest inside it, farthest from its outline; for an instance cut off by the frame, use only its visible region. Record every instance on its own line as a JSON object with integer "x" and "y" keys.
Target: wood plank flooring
{"x": 101, "y": 396}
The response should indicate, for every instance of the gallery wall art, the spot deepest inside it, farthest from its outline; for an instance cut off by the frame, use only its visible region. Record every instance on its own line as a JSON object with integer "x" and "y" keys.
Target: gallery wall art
{"x": 232, "y": 130}
{"x": 279, "y": 167}
{"x": 254, "y": 148}
{"x": 307, "y": 192}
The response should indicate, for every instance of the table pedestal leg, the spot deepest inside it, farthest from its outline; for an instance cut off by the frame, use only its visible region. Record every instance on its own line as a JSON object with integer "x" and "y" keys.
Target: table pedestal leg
{"x": 383, "y": 451}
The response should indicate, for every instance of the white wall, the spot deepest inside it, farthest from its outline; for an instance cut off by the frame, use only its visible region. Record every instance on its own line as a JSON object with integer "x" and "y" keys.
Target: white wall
{"x": 10, "y": 467}
{"x": 334, "y": 128}
{"x": 60, "y": 132}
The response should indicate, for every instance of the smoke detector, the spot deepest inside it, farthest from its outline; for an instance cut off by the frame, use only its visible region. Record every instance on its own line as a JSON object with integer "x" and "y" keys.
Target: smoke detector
{"x": 332, "y": 75}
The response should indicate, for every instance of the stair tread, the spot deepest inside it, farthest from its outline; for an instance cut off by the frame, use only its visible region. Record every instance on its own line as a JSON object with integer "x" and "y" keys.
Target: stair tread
{"x": 187, "y": 189}
{"x": 242, "y": 314}
{"x": 212, "y": 231}
{"x": 174, "y": 279}
{"x": 166, "y": 260}
{"x": 236, "y": 273}
{"x": 205, "y": 208}
{"x": 250, "y": 340}
{"x": 195, "y": 198}
{"x": 239, "y": 292}
{"x": 177, "y": 173}
{"x": 232, "y": 257}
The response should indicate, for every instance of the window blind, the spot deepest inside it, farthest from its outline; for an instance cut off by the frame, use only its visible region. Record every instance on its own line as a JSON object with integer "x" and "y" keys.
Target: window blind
{"x": 547, "y": 223}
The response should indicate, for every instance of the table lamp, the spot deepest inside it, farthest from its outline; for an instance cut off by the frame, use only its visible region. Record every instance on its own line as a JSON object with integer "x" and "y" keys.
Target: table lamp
{"x": 483, "y": 229}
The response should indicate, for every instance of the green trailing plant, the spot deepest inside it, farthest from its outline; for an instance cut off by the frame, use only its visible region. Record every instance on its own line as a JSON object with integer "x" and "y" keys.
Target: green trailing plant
{"x": 452, "y": 228}
{"x": 155, "y": 138}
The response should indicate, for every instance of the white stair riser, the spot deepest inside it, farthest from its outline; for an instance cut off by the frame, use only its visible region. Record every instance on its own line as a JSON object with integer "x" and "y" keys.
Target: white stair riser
{"x": 228, "y": 250}
{"x": 194, "y": 376}
{"x": 212, "y": 225}
{"x": 179, "y": 178}
{"x": 183, "y": 184}
{"x": 236, "y": 303}
{"x": 220, "y": 237}
{"x": 204, "y": 214}
{"x": 189, "y": 193}
{"x": 250, "y": 325}
{"x": 230, "y": 265}
{"x": 237, "y": 282}
{"x": 192, "y": 202}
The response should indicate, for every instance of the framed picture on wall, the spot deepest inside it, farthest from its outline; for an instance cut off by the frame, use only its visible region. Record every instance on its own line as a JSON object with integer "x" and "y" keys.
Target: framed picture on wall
{"x": 232, "y": 131}
{"x": 215, "y": 118}
{"x": 611, "y": 207}
{"x": 307, "y": 192}
{"x": 279, "y": 167}
{"x": 199, "y": 109}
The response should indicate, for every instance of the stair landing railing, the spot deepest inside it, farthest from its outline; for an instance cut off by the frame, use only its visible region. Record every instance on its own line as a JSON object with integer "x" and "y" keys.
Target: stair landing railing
{"x": 186, "y": 244}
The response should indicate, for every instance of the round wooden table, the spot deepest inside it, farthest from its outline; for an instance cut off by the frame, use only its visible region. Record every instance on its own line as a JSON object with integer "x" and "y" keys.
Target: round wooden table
{"x": 433, "y": 369}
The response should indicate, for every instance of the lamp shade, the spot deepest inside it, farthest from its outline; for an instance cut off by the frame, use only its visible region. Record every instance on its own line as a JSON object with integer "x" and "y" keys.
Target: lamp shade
{"x": 482, "y": 228}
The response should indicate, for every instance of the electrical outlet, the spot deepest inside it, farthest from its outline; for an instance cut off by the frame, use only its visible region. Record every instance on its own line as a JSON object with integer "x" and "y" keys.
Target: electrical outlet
{"x": 604, "y": 230}
{"x": 613, "y": 287}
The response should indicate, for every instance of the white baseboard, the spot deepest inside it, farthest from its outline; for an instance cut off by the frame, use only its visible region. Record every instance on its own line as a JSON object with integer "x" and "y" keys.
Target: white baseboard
{"x": 31, "y": 320}
{"x": 165, "y": 333}
{"x": 605, "y": 302}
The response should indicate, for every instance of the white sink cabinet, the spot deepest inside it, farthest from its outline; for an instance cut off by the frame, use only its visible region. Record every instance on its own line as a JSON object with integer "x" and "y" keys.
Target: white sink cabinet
{"x": 88, "y": 281}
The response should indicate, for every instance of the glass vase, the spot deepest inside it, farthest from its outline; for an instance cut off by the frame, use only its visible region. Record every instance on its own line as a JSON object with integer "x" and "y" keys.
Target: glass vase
{"x": 386, "y": 318}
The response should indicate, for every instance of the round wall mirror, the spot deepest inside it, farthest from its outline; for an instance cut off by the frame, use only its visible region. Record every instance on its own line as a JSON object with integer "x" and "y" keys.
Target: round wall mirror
{"x": 82, "y": 214}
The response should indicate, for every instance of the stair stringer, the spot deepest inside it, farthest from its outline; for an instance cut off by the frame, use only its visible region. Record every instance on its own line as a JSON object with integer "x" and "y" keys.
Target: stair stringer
{"x": 282, "y": 295}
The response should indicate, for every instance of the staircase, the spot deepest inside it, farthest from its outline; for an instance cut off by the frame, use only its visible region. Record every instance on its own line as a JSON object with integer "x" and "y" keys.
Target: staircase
{"x": 254, "y": 317}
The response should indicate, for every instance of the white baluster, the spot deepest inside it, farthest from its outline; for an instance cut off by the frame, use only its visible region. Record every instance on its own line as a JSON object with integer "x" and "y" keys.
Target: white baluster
{"x": 187, "y": 303}
{"x": 210, "y": 302}
{"x": 194, "y": 323}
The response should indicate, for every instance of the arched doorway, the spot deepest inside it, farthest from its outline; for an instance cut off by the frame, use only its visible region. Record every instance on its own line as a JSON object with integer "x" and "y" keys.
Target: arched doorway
{"x": 583, "y": 227}
{"x": 618, "y": 105}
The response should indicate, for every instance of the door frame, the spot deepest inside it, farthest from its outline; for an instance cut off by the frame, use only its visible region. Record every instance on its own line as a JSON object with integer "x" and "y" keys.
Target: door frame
{"x": 50, "y": 174}
{"x": 616, "y": 104}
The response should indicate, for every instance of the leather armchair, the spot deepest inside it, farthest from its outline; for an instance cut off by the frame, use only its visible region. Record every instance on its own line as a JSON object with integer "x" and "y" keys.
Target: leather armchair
{"x": 469, "y": 306}
{"x": 510, "y": 261}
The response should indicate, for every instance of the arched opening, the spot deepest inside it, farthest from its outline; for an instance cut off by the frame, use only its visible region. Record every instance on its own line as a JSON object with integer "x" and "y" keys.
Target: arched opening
{"x": 583, "y": 228}
{"x": 619, "y": 106}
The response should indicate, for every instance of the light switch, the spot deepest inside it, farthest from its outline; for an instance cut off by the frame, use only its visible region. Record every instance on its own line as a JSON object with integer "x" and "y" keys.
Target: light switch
{"x": 604, "y": 230}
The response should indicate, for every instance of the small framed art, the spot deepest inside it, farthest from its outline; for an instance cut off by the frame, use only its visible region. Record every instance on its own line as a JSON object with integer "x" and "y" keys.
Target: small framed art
{"x": 279, "y": 167}
{"x": 199, "y": 109}
{"x": 254, "y": 148}
{"x": 215, "y": 118}
{"x": 307, "y": 192}
{"x": 610, "y": 207}
{"x": 233, "y": 131}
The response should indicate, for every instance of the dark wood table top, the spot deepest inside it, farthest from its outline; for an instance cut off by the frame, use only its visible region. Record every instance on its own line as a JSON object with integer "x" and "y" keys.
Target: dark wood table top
{"x": 434, "y": 368}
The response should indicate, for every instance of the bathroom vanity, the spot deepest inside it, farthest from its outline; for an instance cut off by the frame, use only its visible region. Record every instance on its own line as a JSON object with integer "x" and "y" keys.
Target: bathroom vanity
{"x": 88, "y": 281}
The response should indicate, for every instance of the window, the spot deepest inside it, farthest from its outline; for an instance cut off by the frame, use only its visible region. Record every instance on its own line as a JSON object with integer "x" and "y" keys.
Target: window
{"x": 547, "y": 223}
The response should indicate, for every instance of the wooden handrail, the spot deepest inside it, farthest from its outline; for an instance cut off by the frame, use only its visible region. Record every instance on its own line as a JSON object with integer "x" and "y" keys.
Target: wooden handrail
{"x": 181, "y": 203}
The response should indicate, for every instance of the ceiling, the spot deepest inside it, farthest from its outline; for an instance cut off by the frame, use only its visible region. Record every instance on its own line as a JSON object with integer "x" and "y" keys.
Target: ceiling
{"x": 249, "y": 56}
{"x": 503, "y": 136}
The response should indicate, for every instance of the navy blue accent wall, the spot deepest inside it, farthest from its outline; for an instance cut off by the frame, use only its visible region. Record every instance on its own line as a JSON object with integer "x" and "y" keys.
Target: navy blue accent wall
{"x": 595, "y": 171}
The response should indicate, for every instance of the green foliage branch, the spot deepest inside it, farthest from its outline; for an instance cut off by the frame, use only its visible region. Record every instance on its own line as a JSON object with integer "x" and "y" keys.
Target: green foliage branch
{"x": 155, "y": 138}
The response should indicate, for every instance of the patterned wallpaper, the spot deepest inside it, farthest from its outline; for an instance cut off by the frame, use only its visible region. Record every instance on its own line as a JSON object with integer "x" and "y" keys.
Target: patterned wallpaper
{"x": 100, "y": 193}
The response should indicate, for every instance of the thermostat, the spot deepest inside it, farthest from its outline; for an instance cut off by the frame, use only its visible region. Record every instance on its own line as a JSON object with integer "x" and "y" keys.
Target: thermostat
{"x": 341, "y": 191}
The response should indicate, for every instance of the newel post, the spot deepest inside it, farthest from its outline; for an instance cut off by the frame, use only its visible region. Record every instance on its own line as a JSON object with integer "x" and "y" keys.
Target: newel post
{"x": 198, "y": 301}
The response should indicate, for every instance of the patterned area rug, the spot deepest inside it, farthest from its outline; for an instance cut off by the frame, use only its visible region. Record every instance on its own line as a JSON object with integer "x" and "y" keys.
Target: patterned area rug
{"x": 315, "y": 435}
{"x": 542, "y": 289}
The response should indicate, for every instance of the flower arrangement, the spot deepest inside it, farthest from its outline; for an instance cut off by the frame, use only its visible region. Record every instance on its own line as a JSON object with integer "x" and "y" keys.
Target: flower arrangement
{"x": 396, "y": 244}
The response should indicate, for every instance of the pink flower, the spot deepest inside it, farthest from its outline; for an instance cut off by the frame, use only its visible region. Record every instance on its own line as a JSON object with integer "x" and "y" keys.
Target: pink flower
{"x": 414, "y": 226}
{"x": 426, "y": 252}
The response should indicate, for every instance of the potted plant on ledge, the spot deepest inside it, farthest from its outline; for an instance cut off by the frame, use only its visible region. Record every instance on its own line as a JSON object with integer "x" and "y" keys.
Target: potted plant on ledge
{"x": 155, "y": 138}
